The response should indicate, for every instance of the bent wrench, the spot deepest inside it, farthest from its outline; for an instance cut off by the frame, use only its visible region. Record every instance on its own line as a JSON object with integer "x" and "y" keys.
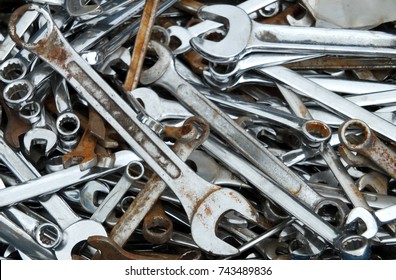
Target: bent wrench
{"x": 197, "y": 196}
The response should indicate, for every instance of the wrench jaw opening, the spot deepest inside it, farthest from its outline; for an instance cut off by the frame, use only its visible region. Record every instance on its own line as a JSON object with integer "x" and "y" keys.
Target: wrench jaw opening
{"x": 368, "y": 219}
{"x": 207, "y": 215}
{"x": 235, "y": 41}
{"x": 40, "y": 137}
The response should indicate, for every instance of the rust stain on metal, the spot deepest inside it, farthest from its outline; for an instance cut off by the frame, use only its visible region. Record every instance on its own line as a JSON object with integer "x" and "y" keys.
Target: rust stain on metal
{"x": 188, "y": 6}
{"x": 318, "y": 129}
{"x": 109, "y": 250}
{"x": 141, "y": 44}
{"x": 15, "y": 127}
{"x": 197, "y": 63}
{"x": 84, "y": 152}
{"x": 208, "y": 211}
{"x": 345, "y": 63}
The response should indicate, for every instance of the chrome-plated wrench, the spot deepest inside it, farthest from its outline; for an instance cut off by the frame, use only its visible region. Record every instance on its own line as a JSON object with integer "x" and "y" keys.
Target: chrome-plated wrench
{"x": 196, "y": 195}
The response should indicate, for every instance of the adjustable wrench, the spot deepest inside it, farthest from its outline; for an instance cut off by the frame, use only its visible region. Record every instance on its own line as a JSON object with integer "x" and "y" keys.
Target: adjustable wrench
{"x": 196, "y": 195}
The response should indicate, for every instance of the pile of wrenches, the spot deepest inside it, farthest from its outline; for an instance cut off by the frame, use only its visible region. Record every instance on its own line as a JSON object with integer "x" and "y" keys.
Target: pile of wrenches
{"x": 187, "y": 130}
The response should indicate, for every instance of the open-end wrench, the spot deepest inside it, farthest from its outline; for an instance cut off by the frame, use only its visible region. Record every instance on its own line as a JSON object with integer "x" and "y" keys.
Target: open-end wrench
{"x": 245, "y": 36}
{"x": 55, "y": 181}
{"x": 330, "y": 100}
{"x": 67, "y": 220}
{"x": 185, "y": 35}
{"x": 119, "y": 190}
{"x": 163, "y": 73}
{"x": 196, "y": 195}
{"x": 372, "y": 220}
{"x": 187, "y": 140}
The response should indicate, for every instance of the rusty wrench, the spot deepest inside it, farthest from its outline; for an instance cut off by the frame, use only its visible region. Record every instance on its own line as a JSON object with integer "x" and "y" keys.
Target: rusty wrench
{"x": 197, "y": 196}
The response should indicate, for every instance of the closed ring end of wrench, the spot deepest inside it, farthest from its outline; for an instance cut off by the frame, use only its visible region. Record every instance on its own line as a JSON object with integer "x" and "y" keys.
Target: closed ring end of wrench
{"x": 16, "y": 15}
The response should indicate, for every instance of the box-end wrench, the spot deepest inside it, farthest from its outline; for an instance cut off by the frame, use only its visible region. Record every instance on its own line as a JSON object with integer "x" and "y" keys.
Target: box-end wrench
{"x": 22, "y": 241}
{"x": 369, "y": 145}
{"x": 330, "y": 100}
{"x": 197, "y": 196}
{"x": 164, "y": 74}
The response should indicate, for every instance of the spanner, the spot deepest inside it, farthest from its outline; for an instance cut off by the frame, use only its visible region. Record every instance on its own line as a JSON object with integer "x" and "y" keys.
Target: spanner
{"x": 330, "y": 100}
{"x": 56, "y": 51}
{"x": 246, "y": 36}
{"x": 164, "y": 74}
{"x": 63, "y": 214}
{"x": 369, "y": 145}
{"x": 185, "y": 35}
{"x": 372, "y": 220}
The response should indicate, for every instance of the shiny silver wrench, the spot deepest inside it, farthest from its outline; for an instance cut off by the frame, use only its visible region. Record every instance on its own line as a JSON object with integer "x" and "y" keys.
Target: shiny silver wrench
{"x": 185, "y": 35}
{"x": 329, "y": 99}
{"x": 196, "y": 195}
{"x": 164, "y": 74}
{"x": 246, "y": 36}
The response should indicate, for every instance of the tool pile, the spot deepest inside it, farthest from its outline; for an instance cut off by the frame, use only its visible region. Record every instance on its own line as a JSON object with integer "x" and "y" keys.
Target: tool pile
{"x": 194, "y": 130}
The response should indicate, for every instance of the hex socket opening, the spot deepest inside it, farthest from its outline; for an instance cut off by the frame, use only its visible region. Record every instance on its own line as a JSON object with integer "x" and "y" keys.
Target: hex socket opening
{"x": 332, "y": 212}
{"x": 31, "y": 111}
{"x": 48, "y": 235}
{"x": 12, "y": 69}
{"x": 359, "y": 139}
{"x": 17, "y": 93}
{"x": 316, "y": 131}
{"x": 68, "y": 125}
{"x": 355, "y": 247}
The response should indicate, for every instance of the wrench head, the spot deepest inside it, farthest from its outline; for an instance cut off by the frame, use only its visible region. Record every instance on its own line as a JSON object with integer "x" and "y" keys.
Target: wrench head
{"x": 40, "y": 136}
{"x": 148, "y": 96}
{"x": 208, "y": 214}
{"x": 239, "y": 27}
{"x": 165, "y": 60}
{"x": 77, "y": 8}
{"x": 76, "y": 233}
{"x": 368, "y": 219}
{"x": 183, "y": 35}
{"x": 89, "y": 193}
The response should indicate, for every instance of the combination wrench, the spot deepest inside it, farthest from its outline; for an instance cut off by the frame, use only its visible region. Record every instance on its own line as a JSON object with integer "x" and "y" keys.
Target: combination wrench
{"x": 198, "y": 195}
{"x": 164, "y": 74}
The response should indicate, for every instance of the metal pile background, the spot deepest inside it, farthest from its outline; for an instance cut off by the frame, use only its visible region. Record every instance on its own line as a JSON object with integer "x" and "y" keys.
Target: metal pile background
{"x": 197, "y": 130}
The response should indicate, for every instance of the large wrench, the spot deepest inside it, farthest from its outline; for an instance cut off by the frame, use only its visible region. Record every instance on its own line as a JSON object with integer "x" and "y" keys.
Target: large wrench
{"x": 163, "y": 73}
{"x": 197, "y": 196}
{"x": 185, "y": 35}
{"x": 246, "y": 36}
